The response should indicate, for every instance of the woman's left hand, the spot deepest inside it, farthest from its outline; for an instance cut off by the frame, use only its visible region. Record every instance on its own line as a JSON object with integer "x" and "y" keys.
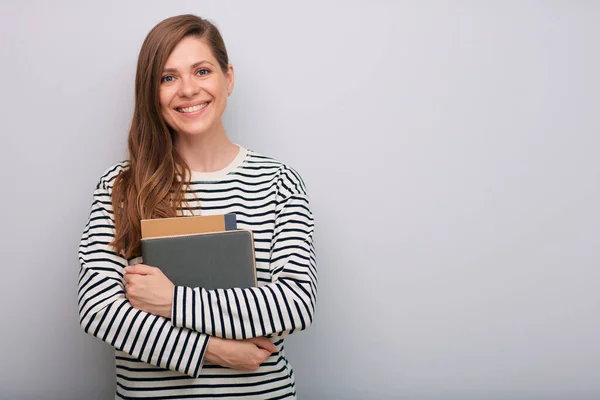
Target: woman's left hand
{"x": 149, "y": 290}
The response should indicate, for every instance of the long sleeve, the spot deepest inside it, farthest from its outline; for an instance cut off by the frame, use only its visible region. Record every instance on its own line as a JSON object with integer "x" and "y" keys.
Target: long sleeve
{"x": 105, "y": 312}
{"x": 283, "y": 306}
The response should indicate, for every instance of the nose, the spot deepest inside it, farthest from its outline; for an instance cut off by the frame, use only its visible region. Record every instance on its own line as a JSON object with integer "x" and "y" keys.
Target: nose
{"x": 188, "y": 88}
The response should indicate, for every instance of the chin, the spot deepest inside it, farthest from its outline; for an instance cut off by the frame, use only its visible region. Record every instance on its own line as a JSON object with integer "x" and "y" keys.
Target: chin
{"x": 191, "y": 130}
{"x": 190, "y": 127}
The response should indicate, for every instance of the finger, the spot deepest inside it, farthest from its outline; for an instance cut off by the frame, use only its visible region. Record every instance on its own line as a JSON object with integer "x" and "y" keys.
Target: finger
{"x": 132, "y": 278}
{"x": 264, "y": 343}
{"x": 264, "y": 355}
{"x": 139, "y": 269}
{"x": 127, "y": 286}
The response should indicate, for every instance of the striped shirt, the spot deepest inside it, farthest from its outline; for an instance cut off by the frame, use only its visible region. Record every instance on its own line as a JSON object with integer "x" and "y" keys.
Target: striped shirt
{"x": 159, "y": 358}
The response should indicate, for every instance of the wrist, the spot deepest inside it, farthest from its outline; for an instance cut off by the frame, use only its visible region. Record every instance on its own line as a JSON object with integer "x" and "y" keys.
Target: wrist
{"x": 168, "y": 310}
{"x": 213, "y": 349}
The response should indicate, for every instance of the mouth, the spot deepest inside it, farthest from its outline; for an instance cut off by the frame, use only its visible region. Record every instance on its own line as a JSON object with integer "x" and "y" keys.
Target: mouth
{"x": 192, "y": 109}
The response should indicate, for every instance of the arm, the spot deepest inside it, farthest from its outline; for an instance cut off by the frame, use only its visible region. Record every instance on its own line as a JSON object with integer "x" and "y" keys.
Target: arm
{"x": 106, "y": 314}
{"x": 281, "y": 307}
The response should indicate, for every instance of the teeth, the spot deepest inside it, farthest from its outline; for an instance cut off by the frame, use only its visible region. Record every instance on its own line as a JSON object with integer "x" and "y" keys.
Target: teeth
{"x": 192, "y": 109}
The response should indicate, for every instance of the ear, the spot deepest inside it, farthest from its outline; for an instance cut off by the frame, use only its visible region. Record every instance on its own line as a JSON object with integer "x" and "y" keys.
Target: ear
{"x": 230, "y": 79}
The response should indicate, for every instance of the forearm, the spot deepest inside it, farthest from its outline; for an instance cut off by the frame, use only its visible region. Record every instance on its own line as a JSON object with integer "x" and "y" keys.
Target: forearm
{"x": 279, "y": 308}
{"x": 106, "y": 314}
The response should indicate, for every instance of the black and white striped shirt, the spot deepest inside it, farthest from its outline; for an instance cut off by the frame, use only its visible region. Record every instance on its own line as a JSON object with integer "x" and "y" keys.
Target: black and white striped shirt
{"x": 159, "y": 358}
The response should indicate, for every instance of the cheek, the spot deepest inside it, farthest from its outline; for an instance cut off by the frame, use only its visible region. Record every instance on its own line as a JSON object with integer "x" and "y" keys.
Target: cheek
{"x": 164, "y": 107}
{"x": 217, "y": 89}
{"x": 165, "y": 96}
{"x": 220, "y": 93}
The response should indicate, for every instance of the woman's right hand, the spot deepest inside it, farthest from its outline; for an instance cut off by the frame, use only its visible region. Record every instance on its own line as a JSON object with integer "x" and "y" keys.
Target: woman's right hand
{"x": 243, "y": 355}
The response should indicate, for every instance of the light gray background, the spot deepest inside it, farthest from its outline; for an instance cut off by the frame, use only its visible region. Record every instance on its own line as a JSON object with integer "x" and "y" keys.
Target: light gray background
{"x": 451, "y": 153}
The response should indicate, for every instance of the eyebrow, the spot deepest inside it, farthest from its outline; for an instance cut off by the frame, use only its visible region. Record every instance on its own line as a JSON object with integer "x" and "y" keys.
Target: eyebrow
{"x": 194, "y": 65}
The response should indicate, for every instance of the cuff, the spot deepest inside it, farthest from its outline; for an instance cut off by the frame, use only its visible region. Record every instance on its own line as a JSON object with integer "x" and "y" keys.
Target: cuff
{"x": 183, "y": 313}
{"x": 195, "y": 362}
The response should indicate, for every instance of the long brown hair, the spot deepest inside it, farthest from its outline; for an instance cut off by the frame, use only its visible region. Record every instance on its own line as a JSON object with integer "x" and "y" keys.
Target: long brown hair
{"x": 151, "y": 185}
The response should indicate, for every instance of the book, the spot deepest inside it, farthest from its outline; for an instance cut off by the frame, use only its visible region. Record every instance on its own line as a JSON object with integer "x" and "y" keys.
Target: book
{"x": 211, "y": 260}
{"x": 187, "y": 225}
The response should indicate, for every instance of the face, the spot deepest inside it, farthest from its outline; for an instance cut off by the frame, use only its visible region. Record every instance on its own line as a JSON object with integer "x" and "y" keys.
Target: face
{"x": 194, "y": 88}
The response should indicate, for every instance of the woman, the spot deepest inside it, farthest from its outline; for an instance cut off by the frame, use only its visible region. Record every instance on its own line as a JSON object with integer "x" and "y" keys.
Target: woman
{"x": 181, "y": 162}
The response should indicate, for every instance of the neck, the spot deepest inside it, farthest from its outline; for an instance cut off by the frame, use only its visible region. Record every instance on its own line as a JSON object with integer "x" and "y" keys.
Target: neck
{"x": 208, "y": 152}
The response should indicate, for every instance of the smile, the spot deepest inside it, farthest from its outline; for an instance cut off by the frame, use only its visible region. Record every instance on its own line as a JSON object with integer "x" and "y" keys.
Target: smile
{"x": 192, "y": 109}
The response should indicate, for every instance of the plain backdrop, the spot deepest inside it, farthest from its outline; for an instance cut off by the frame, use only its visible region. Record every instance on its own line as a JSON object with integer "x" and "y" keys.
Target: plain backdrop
{"x": 451, "y": 152}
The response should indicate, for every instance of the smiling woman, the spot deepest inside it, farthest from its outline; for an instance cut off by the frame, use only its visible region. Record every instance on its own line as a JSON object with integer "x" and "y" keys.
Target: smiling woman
{"x": 194, "y": 88}
{"x": 181, "y": 162}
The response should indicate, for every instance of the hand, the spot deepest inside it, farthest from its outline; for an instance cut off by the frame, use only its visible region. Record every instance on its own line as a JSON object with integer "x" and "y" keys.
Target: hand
{"x": 149, "y": 290}
{"x": 243, "y": 355}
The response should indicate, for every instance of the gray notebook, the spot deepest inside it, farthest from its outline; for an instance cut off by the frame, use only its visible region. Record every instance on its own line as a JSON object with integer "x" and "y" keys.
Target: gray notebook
{"x": 216, "y": 260}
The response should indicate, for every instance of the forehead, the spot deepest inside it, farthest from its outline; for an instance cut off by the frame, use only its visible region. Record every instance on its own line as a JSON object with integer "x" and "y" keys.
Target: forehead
{"x": 189, "y": 51}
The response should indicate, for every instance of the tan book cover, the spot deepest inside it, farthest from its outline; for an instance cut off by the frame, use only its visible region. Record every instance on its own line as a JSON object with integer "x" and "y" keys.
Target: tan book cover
{"x": 159, "y": 227}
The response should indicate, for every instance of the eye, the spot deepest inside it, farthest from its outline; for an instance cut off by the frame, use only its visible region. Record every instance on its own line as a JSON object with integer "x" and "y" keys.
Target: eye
{"x": 167, "y": 78}
{"x": 203, "y": 72}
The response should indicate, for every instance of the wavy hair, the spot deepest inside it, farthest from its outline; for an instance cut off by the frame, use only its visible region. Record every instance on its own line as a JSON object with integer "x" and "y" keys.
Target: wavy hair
{"x": 151, "y": 185}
